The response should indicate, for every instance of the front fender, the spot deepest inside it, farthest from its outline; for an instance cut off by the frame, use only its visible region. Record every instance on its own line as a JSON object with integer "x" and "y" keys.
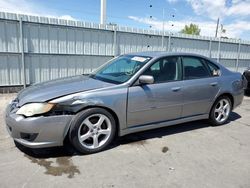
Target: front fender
{"x": 113, "y": 99}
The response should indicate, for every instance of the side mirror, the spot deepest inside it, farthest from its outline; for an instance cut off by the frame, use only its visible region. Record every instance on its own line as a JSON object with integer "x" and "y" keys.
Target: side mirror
{"x": 146, "y": 79}
{"x": 216, "y": 72}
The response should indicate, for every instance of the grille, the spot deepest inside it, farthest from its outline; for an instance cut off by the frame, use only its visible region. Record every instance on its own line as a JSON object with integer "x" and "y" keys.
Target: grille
{"x": 28, "y": 136}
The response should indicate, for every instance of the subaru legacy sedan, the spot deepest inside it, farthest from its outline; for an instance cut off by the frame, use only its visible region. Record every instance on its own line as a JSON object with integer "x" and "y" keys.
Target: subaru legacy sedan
{"x": 130, "y": 93}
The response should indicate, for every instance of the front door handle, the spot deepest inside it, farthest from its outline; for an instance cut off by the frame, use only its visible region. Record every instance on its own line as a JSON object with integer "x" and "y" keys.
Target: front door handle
{"x": 176, "y": 89}
{"x": 214, "y": 84}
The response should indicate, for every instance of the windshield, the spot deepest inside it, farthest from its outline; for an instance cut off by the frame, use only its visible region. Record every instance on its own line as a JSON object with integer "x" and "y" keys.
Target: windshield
{"x": 120, "y": 69}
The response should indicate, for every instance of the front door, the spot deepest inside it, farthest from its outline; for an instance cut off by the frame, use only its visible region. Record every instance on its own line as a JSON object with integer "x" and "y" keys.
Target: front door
{"x": 160, "y": 101}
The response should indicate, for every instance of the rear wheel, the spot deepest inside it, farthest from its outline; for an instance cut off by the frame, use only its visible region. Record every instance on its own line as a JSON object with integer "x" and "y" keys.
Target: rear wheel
{"x": 92, "y": 130}
{"x": 220, "y": 111}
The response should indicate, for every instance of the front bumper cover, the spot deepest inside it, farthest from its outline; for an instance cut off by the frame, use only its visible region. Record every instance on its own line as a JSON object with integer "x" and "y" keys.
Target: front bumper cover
{"x": 50, "y": 130}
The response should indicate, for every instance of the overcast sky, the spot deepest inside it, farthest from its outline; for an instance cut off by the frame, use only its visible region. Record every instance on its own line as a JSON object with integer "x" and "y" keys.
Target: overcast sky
{"x": 234, "y": 14}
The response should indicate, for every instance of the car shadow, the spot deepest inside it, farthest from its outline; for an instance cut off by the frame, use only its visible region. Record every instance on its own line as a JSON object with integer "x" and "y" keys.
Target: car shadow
{"x": 51, "y": 152}
{"x": 169, "y": 130}
{"x": 233, "y": 117}
{"x": 135, "y": 138}
{"x": 247, "y": 94}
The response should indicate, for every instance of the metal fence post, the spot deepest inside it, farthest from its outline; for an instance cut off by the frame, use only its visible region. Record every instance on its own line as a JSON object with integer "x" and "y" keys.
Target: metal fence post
{"x": 210, "y": 48}
{"x": 238, "y": 57}
{"x": 162, "y": 41}
{"x": 169, "y": 42}
{"x": 218, "y": 56}
{"x": 22, "y": 52}
{"x": 115, "y": 41}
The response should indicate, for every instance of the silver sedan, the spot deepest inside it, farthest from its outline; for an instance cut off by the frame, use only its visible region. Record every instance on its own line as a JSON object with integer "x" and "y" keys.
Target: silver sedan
{"x": 130, "y": 93}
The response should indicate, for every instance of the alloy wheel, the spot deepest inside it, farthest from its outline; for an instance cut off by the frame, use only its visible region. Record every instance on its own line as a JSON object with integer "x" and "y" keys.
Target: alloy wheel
{"x": 94, "y": 131}
{"x": 222, "y": 110}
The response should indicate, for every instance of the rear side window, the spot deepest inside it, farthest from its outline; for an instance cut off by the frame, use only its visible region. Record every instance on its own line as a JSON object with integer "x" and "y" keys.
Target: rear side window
{"x": 213, "y": 69}
{"x": 194, "y": 68}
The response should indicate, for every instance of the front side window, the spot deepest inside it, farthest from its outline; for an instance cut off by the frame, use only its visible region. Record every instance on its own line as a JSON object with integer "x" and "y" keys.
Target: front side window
{"x": 165, "y": 70}
{"x": 194, "y": 68}
{"x": 121, "y": 69}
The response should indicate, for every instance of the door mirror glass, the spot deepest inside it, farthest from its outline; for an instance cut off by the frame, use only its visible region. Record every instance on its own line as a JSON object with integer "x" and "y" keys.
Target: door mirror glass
{"x": 146, "y": 79}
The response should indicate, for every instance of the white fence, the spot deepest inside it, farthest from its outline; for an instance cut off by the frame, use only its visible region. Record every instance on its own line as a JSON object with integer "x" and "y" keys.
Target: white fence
{"x": 50, "y": 48}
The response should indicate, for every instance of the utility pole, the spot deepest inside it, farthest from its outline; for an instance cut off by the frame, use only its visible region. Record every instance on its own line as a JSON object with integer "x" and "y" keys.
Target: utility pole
{"x": 103, "y": 12}
{"x": 217, "y": 26}
{"x": 163, "y": 29}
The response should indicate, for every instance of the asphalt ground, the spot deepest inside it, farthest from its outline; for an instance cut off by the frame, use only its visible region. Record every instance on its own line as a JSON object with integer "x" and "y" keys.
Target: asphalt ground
{"x": 187, "y": 155}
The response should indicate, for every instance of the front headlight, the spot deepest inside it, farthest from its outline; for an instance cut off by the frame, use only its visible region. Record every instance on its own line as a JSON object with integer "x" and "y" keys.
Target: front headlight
{"x": 35, "y": 109}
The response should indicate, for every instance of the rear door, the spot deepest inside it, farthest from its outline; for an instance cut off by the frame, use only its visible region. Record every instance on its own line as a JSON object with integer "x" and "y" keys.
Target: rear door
{"x": 158, "y": 102}
{"x": 200, "y": 86}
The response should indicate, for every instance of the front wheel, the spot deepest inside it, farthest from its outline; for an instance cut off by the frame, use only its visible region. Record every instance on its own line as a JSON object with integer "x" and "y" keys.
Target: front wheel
{"x": 220, "y": 111}
{"x": 92, "y": 130}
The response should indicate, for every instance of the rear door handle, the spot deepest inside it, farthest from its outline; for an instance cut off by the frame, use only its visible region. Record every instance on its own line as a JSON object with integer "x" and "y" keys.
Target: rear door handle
{"x": 214, "y": 84}
{"x": 176, "y": 89}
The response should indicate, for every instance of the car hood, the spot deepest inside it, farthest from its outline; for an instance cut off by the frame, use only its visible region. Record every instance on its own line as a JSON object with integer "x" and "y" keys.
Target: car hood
{"x": 56, "y": 88}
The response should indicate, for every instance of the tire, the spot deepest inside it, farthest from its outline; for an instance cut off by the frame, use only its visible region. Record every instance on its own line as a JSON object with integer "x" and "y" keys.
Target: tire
{"x": 220, "y": 113}
{"x": 92, "y": 130}
{"x": 247, "y": 92}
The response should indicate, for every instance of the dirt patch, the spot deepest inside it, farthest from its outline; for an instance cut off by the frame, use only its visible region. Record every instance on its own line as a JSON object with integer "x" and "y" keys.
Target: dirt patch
{"x": 63, "y": 165}
{"x": 164, "y": 149}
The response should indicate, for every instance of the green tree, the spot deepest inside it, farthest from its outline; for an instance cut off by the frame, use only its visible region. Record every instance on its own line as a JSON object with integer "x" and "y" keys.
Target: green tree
{"x": 191, "y": 29}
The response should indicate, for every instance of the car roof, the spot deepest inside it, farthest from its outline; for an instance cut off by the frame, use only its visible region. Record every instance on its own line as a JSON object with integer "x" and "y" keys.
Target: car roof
{"x": 157, "y": 54}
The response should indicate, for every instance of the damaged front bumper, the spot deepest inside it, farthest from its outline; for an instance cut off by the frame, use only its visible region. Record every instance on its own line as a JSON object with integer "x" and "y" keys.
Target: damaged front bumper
{"x": 37, "y": 132}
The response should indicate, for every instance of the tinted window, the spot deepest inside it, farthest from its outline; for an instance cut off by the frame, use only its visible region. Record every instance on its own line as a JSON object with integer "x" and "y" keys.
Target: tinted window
{"x": 165, "y": 70}
{"x": 194, "y": 68}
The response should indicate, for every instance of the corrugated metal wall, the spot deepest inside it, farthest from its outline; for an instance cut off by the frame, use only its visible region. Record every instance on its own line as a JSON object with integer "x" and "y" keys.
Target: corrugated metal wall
{"x": 56, "y": 48}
